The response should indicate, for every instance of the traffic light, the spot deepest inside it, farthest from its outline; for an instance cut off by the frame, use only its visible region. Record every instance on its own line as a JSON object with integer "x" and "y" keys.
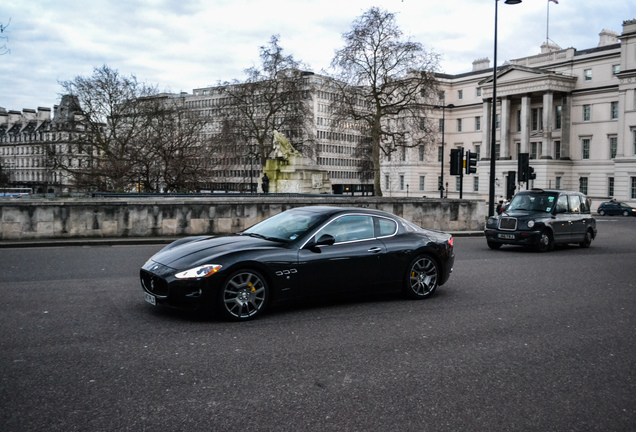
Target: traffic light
{"x": 522, "y": 167}
{"x": 471, "y": 162}
{"x": 510, "y": 184}
{"x": 456, "y": 161}
{"x": 531, "y": 173}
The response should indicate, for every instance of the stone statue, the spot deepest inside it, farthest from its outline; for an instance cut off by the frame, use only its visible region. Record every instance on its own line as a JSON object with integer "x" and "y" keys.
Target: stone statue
{"x": 283, "y": 148}
{"x": 265, "y": 183}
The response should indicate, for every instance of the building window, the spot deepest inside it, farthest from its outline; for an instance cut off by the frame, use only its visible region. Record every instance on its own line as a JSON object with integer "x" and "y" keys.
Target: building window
{"x": 534, "y": 149}
{"x": 497, "y": 150}
{"x": 634, "y": 134}
{"x": 587, "y": 74}
{"x": 559, "y": 112}
{"x": 478, "y": 123}
{"x": 422, "y": 182}
{"x": 439, "y": 153}
{"x": 583, "y": 185}
{"x": 585, "y": 148}
{"x": 587, "y": 113}
{"x": 476, "y": 184}
{"x": 557, "y": 183}
{"x": 498, "y": 121}
{"x": 478, "y": 150}
{"x": 403, "y": 154}
{"x": 439, "y": 183}
{"x": 460, "y": 94}
{"x": 537, "y": 119}
{"x": 386, "y": 182}
{"x": 440, "y": 125}
{"x": 401, "y": 182}
{"x": 610, "y": 186}
{"x": 457, "y": 183}
{"x": 613, "y": 141}
{"x": 633, "y": 188}
{"x": 614, "y": 110}
{"x": 441, "y": 95}
{"x": 478, "y": 92}
{"x": 459, "y": 125}
{"x": 616, "y": 69}
{"x": 420, "y": 150}
{"x": 557, "y": 149}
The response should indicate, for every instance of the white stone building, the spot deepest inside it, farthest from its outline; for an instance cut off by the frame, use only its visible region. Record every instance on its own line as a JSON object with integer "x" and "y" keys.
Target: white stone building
{"x": 573, "y": 111}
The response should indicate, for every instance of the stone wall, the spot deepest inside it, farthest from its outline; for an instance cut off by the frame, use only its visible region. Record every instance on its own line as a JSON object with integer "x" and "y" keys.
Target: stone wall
{"x": 22, "y": 219}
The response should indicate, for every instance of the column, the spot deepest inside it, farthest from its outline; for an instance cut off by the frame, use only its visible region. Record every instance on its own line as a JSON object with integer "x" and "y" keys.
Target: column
{"x": 504, "y": 133}
{"x": 546, "y": 147}
{"x": 485, "y": 130}
{"x": 525, "y": 124}
{"x": 566, "y": 124}
{"x": 625, "y": 146}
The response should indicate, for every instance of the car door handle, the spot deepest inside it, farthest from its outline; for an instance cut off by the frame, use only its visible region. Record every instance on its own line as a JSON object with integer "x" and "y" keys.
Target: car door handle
{"x": 374, "y": 250}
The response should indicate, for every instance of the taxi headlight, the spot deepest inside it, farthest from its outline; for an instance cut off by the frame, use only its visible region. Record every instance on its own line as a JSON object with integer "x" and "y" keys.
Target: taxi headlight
{"x": 199, "y": 272}
{"x": 530, "y": 223}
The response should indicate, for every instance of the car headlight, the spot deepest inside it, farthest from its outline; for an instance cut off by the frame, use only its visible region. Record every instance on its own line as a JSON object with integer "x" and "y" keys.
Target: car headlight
{"x": 491, "y": 222}
{"x": 199, "y": 272}
{"x": 530, "y": 223}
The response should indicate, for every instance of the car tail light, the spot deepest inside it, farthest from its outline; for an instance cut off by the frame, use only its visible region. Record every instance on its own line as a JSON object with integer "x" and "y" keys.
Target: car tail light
{"x": 451, "y": 241}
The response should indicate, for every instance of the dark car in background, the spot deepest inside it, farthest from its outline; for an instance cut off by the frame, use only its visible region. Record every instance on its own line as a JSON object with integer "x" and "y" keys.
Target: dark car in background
{"x": 542, "y": 219}
{"x": 300, "y": 253}
{"x": 614, "y": 208}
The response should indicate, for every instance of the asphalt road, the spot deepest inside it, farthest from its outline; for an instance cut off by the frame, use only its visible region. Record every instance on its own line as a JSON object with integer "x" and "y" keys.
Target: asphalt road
{"x": 515, "y": 341}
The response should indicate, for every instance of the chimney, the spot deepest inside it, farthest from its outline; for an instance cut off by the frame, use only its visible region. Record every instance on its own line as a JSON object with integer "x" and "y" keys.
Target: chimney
{"x": 607, "y": 37}
{"x": 481, "y": 64}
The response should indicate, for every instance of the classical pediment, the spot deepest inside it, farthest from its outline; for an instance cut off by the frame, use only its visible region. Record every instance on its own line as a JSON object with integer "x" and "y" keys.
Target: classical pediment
{"x": 520, "y": 80}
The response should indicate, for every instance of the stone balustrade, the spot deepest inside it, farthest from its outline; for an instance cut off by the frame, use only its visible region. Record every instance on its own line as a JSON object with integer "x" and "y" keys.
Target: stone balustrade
{"x": 27, "y": 219}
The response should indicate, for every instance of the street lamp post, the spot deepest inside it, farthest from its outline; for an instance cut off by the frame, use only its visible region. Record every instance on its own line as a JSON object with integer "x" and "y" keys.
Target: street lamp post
{"x": 493, "y": 131}
{"x": 441, "y": 179}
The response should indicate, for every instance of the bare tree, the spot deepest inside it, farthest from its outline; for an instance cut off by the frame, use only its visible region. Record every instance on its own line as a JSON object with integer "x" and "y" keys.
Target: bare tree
{"x": 385, "y": 82}
{"x": 273, "y": 97}
{"x": 122, "y": 132}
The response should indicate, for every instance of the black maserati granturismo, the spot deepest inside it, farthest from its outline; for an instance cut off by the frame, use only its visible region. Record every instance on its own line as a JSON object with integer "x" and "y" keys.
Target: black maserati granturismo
{"x": 302, "y": 252}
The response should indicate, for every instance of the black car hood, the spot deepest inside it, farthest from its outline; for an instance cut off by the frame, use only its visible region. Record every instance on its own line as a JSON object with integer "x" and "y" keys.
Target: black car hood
{"x": 523, "y": 214}
{"x": 204, "y": 250}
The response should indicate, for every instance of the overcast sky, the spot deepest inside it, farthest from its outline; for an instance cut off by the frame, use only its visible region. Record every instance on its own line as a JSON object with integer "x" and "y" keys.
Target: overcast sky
{"x": 185, "y": 44}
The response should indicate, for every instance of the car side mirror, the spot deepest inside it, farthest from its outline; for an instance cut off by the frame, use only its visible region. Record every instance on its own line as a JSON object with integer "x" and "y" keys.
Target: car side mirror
{"x": 325, "y": 240}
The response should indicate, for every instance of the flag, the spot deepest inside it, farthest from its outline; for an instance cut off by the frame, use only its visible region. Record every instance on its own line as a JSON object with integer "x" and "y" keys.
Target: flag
{"x": 554, "y": 1}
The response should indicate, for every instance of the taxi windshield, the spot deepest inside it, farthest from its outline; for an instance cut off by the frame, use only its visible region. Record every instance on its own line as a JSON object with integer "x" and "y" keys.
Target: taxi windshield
{"x": 543, "y": 202}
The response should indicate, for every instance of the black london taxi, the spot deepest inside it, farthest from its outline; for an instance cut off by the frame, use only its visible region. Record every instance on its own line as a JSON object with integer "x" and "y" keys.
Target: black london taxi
{"x": 542, "y": 219}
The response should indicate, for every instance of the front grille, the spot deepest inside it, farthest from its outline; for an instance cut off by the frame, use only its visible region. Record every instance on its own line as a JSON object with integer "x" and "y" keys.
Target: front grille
{"x": 508, "y": 223}
{"x": 154, "y": 284}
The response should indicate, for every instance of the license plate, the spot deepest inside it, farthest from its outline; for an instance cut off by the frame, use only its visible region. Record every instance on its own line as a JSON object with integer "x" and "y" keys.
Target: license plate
{"x": 151, "y": 299}
{"x": 506, "y": 236}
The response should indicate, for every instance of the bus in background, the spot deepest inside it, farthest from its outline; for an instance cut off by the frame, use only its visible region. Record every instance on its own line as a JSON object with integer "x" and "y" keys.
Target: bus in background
{"x": 15, "y": 192}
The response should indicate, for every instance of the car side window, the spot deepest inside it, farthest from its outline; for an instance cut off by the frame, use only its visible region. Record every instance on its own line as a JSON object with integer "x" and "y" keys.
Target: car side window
{"x": 349, "y": 228}
{"x": 562, "y": 204}
{"x": 575, "y": 203}
{"x": 585, "y": 205}
{"x": 386, "y": 227}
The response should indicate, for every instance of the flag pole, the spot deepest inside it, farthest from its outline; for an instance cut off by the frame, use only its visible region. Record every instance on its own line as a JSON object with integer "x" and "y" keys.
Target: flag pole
{"x": 547, "y": 26}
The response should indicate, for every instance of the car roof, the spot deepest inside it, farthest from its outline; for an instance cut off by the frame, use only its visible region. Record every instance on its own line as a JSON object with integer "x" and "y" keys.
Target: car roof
{"x": 332, "y": 210}
{"x": 548, "y": 191}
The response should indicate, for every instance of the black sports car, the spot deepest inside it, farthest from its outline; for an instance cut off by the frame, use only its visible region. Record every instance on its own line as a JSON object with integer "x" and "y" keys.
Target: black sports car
{"x": 303, "y": 252}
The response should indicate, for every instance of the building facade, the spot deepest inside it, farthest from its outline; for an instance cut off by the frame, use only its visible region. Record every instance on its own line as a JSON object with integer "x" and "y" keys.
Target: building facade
{"x": 573, "y": 111}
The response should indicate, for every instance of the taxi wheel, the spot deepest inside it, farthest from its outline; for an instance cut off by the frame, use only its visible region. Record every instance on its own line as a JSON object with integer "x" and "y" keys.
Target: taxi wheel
{"x": 546, "y": 243}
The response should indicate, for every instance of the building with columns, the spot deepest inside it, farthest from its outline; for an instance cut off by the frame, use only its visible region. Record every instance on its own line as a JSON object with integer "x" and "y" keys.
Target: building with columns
{"x": 573, "y": 111}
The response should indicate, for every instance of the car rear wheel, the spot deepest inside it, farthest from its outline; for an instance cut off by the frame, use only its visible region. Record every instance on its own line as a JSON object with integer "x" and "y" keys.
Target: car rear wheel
{"x": 587, "y": 241}
{"x": 421, "y": 279}
{"x": 244, "y": 295}
{"x": 546, "y": 243}
{"x": 494, "y": 245}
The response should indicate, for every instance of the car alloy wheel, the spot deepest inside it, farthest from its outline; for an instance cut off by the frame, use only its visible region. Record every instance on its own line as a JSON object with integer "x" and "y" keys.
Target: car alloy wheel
{"x": 422, "y": 277}
{"x": 244, "y": 295}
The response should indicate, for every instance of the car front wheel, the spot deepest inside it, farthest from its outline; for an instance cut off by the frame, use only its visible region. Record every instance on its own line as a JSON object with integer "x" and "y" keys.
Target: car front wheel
{"x": 545, "y": 242}
{"x": 625, "y": 213}
{"x": 601, "y": 212}
{"x": 494, "y": 245}
{"x": 244, "y": 295}
{"x": 421, "y": 280}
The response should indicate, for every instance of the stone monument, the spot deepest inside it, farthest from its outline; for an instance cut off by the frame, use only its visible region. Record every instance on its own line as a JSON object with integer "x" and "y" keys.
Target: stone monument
{"x": 290, "y": 172}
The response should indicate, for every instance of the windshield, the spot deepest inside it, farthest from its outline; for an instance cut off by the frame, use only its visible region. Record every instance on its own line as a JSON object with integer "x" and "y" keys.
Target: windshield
{"x": 286, "y": 226}
{"x": 533, "y": 202}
